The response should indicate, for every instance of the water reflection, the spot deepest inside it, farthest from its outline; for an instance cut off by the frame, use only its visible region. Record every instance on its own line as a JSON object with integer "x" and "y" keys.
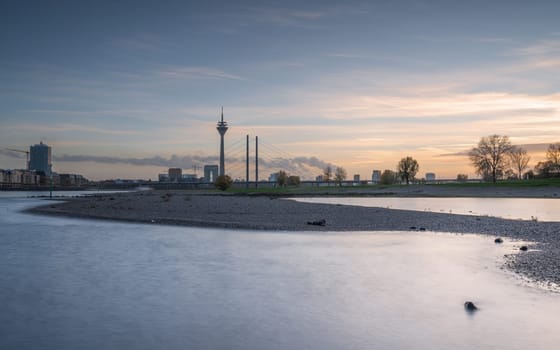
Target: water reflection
{"x": 541, "y": 209}
{"x": 68, "y": 284}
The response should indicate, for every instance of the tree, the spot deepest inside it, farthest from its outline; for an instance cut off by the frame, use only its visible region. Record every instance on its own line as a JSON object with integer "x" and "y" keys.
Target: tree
{"x": 282, "y": 178}
{"x": 490, "y": 156}
{"x": 327, "y": 174}
{"x": 462, "y": 177}
{"x": 293, "y": 180}
{"x": 223, "y": 182}
{"x": 407, "y": 169}
{"x": 553, "y": 156}
{"x": 519, "y": 160}
{"x": 545, "y": 169}
{"x": 340, "y": 175}
{"x": 388, "y": 177}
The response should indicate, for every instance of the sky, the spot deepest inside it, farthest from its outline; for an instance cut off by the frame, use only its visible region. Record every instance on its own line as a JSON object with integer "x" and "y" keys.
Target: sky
{"x": 127, "y": 89}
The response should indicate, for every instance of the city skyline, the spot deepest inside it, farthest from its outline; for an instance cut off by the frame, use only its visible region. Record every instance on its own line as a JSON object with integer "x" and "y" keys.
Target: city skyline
{"x": 125, "y": 90}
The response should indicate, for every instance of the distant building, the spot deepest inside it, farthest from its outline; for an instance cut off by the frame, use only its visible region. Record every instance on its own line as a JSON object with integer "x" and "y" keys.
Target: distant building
{"x": 72, "y": 180}
{"x": 210, "y": 173}
{"x": 430, "y": 177}
{"x": 163, "y": 177}
{"x": 357, "y": 178}
{"x": 189, "y": 178}
{"x": 376, "y": 176}
{"x": 20, "y": 177}
{"x": 273, "y": 177}
{"x": 40, "y": 158}
{"x": 175, "y": 174}
{"x": 319, "y": 178}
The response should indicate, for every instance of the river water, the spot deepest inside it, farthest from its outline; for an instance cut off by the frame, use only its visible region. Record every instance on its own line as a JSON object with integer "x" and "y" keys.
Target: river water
{"x": 82, "y": 284}
{"x": 540, "y": 209}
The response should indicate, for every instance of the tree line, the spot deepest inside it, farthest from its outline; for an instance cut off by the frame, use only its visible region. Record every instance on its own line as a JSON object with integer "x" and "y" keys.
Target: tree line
{"x": 495, "y": 157}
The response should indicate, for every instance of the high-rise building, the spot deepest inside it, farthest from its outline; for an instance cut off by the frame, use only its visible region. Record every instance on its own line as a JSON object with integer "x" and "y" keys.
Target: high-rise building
{"x": 40, "y": 158}
{"x": 376, "y": 176}
{"x": 210, "y": 173}
{"x": 175, "y": 174}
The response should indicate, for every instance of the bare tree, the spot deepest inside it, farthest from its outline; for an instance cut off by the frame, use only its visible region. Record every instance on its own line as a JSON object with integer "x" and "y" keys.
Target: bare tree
{"x": 340, "y": 175}
{"x": 282, "y": 178}
{"x": 490, "y": 156}
{"x": 553, "y": 156}
{"x": 407, "y": 169}
{"x": 519, "y": 160}
{"x": 327, "y": 174}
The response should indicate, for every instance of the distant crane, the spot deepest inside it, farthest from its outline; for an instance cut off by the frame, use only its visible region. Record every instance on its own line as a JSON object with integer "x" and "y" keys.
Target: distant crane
{"x": 21, "y": 151}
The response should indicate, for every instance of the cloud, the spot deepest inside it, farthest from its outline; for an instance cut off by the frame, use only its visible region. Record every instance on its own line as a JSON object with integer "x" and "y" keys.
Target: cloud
{"x": 355, "y": 106}
{"x": 530, "y": 148}
{"x": 201, "y": 73}
{"x": 542, "y": 47}
{"x": 68, "y": 128}
{"x": 173, "y": 161}
{"x": 12, "y": 154}
{"x": 304, "y": 166}
{"x": 307, "y": 14}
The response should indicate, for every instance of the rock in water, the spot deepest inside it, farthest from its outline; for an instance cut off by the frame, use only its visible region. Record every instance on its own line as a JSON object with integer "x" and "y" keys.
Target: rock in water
{"x": 498, "y": 240}
{"x": 470, "y": 306}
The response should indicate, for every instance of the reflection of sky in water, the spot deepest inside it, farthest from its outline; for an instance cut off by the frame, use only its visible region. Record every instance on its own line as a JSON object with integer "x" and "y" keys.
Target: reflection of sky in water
{"x": 543, "y": 209}
{"x": 69, "y": 283}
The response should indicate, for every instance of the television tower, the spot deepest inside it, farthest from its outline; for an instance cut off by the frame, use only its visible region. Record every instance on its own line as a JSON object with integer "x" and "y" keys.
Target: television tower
{"x": 222, "y": 128}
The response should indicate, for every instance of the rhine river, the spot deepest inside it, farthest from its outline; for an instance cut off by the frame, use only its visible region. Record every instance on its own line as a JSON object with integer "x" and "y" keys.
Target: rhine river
{"x": 83, "y": 284}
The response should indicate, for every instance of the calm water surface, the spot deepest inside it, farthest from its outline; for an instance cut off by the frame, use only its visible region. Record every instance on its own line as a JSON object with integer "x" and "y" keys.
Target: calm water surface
{"x": 543, "y": 209}
{"x": 79, "y": 284}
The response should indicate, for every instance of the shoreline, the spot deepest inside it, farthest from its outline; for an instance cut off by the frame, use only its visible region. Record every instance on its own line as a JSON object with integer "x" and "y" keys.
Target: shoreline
{"x": 275, "y": 213}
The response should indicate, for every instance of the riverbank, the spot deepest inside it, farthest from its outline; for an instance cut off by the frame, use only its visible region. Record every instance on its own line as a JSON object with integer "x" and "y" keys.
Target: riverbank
{"x": 541, "y": 263}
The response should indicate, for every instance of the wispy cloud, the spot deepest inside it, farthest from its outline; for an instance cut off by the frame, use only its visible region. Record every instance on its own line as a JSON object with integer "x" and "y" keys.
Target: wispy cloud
{"x": 542, "y": 47}
{"x": 492, "y": 40}
{"x": 69, "y": 128}
{"x": 202, "y": 73}
{"x": 307, "y": 14}
{"x": 349, "y": 107}
{"x": 284, "y": 16}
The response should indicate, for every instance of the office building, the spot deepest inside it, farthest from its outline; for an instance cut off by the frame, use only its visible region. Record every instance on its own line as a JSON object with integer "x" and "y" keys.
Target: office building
{"x": 175, "y": 174}
{"x": 40, "y": 158}
{"x": 376, "y": 176}
{"x": 210, "y": 173}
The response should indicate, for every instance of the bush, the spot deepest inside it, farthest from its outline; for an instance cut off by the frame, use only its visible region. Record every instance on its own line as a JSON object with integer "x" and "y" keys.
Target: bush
{"x": 388, "y": 177}
{"x": 223, "y": 182}
{"x": 293, "y": 180}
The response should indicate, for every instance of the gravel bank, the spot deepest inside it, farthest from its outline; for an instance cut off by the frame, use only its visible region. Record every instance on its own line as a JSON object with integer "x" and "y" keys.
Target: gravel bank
{"x": 541, "y": 263}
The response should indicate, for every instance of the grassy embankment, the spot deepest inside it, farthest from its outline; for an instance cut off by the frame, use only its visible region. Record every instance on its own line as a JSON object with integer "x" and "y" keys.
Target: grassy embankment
{"x": 334, "y": 189}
